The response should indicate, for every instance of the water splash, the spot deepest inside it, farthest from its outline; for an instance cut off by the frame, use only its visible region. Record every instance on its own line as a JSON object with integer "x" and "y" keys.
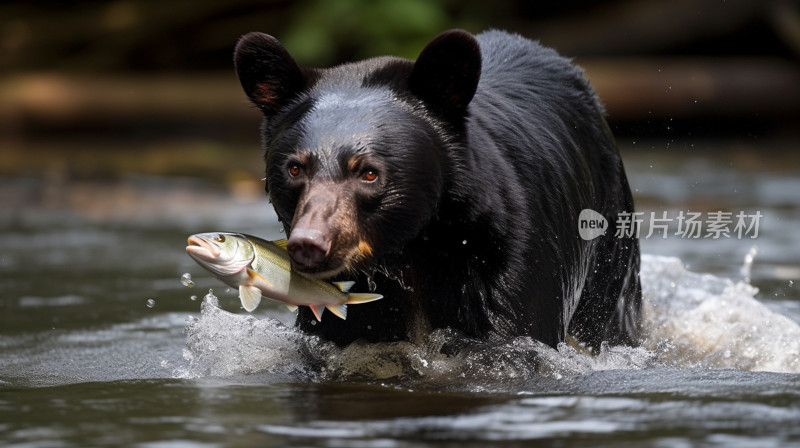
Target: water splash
{"x": 707, "y": 321}
{"x": 150, "y": 303}
{"x": 186, "y": 280}
{"x": 219, "y": 343}
{"x": 691, "y": 320}
{"x": 747, "y": 266}
{"x": 395, "y": 275}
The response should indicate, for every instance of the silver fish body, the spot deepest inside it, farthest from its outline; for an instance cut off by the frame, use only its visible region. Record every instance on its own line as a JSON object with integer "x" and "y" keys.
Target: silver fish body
{"x": 259, "y": 267}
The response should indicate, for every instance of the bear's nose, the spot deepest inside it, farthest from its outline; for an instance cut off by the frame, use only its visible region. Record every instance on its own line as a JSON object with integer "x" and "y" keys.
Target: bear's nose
{"x": 307, "y": 247}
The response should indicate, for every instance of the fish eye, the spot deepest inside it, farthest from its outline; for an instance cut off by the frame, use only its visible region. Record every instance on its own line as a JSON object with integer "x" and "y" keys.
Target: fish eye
{"x": 219, "y": 238}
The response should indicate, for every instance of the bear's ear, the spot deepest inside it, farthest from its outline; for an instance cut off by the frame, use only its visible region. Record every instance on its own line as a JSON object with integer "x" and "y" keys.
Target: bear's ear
{"x": 268, "y": 73}
{"x": 447, "y": 72}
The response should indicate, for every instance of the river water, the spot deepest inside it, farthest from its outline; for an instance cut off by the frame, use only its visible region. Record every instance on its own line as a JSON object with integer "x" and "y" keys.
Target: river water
{"x": 101, "y": 343}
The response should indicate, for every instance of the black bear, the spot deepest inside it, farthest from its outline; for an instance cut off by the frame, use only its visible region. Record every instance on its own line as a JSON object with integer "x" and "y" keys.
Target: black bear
{"x": 453, "y": 186}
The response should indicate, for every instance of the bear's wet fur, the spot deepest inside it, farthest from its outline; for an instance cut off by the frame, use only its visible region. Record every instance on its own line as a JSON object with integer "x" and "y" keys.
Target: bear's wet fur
{"x": 452, "y": 185}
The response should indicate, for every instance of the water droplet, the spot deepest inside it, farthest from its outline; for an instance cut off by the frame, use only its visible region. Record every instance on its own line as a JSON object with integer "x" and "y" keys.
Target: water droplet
{"x": 193, "y": 298}
{"x": 281, "y": 230}
{"x": 464, "y": 242}
{"x": 791, "y": 283}
{"x": 747, "y": 266}
{"x": 151, "y": 303}
{"x": 313, "y": 322}
{"x": 371, "y": 284}
{"x": 186, "y": 279}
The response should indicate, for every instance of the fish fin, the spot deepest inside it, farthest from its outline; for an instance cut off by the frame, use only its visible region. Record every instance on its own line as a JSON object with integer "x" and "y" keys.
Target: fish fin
{"x": 362, "y": 297}
{"x": 292, "y": 308}
{"x": 317, "y": 310}
{"x": 344, "y": 286}
{"x": 250, "y": 297}
{"x": 338, "y": 310}
{"x": 256, "y": 277}
{"x": 281, "y": 243}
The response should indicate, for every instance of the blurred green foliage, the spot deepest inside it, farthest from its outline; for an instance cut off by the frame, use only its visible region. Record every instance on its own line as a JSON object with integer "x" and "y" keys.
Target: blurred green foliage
{"x": 191, "y": 35}
{"x": 363, "y": 28}
{"x": 147, "y": 35}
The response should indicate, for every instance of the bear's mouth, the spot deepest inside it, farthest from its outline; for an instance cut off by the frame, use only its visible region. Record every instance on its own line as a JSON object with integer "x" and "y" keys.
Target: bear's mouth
{"x": 319, "y": 273}
{"x": 337, "y": 262}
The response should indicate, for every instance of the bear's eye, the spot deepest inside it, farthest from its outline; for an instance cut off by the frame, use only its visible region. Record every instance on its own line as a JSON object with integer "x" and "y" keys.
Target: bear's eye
{"x": 294, "y": 170}
{"x": 369, "y": 176}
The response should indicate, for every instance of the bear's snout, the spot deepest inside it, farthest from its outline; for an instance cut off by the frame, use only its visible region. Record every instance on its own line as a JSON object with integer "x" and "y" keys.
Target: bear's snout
{"x": 322, "y": 231}
{"x": 308, "y": 248}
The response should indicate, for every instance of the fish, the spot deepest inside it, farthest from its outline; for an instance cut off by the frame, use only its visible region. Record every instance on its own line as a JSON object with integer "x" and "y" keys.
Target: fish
{"x": 258, "y": 267}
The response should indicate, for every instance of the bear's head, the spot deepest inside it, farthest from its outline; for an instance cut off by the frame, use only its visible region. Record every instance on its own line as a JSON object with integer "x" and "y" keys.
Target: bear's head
{"x": 358, "y": 155}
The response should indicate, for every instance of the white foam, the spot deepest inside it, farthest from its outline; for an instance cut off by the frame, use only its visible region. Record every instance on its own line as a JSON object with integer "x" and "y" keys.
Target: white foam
{"x": 690, "y": 320}
{"x": 703, "y": 320}
{"x": 220, "y": 344}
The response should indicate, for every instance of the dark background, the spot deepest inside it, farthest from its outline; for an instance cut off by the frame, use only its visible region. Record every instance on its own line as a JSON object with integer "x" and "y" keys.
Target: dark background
{"x": 148, "y": 86}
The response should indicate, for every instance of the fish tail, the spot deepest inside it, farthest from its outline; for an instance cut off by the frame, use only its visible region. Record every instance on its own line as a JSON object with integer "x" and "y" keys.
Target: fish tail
{"x": 362, "y": 297}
